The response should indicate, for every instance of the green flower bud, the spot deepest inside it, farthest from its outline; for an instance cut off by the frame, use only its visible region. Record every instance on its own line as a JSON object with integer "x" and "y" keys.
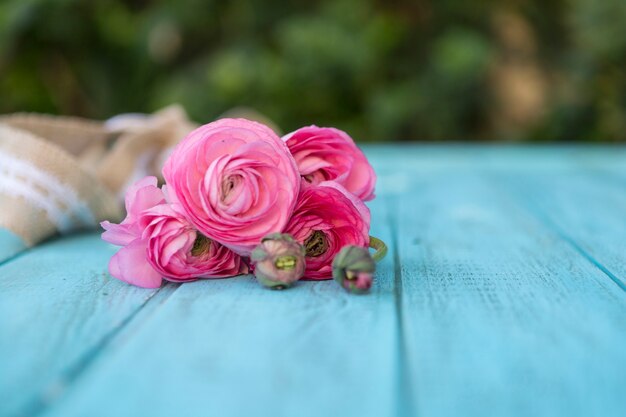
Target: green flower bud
{"x": 278, "y": 261}
{"x": 353, "y": 269}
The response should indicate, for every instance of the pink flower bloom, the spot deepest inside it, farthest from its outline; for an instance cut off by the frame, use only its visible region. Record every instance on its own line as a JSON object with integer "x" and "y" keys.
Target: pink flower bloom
{"x": 179, "y": 253}
{"x": 236, "y": 181}
{"x": 326, "y": 219}
{"x": 158, "y": 242}
{"x": 328, "y": 154}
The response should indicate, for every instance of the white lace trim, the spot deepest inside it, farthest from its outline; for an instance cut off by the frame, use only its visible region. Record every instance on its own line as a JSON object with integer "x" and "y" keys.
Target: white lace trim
{"x": 61, "y": 203}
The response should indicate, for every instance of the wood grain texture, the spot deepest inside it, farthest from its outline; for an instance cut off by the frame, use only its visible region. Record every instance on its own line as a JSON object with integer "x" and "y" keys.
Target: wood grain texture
{"x": 233, "y": 348}
{"x": 502, "y": 315}
{"x": 57, "y": 307}
{"x": 501, "y": 295}
{"x": 588, "y": 209}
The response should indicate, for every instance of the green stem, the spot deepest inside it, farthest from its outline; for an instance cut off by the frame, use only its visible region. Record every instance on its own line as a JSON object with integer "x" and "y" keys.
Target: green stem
{"x": 381, "y": 248}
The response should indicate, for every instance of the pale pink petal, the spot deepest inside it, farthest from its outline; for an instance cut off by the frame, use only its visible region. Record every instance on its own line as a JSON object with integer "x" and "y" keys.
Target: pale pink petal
{"x": 341, "y": 216}
{"x": 117, "y": 234}
{"x": 130, "y": 265}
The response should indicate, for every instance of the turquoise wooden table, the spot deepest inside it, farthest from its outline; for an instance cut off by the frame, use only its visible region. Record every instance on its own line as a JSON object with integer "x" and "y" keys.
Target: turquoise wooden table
{"x": 503, "y": 294}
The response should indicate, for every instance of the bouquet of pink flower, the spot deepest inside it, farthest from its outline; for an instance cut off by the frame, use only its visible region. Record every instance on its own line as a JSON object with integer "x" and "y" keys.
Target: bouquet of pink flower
{"x": 239, "y": 198}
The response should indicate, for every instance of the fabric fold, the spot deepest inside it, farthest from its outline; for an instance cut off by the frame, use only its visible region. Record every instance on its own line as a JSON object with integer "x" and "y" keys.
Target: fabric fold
{"x": 62, "y": 174}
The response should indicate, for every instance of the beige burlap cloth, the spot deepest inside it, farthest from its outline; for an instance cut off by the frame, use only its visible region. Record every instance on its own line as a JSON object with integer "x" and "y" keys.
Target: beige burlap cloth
{"x": 61, "y": 174}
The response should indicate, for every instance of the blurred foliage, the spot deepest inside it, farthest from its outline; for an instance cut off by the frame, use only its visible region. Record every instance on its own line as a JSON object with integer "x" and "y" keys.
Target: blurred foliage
{"x": 382, "y": 70}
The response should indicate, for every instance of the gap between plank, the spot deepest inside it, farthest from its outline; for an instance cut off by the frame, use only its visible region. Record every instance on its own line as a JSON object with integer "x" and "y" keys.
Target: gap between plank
{"x": 404, "y": 389}
{"x": 15, "y": 256}
{"x": 556, "y": 229}
{"x": 53, "y": 391}
{"x": 538, "y": 214}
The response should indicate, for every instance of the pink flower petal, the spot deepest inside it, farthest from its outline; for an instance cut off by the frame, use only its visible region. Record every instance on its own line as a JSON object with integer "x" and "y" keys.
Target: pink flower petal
{"x": 129, "y": 264}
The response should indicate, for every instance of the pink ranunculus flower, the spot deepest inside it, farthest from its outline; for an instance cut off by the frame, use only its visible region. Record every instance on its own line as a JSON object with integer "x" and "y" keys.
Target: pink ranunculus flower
{"x": 329, "y": 154}
{"x": 158, "y": 242}
{"x": 236, "y": 181}
{"x": 180, "y": 253}
{"x": 327, "y": 218}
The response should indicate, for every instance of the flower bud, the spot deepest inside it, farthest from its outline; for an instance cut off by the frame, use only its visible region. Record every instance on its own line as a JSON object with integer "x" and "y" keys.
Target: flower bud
{"x": 278, "y": 261}
{"x": 353, "y": 269}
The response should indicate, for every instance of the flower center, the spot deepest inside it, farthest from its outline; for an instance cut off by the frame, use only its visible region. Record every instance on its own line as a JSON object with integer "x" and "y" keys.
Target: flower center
{"x": 316, "y": 177}
{"x": 228, "y": 185}
{"x": 316, "y": 244}
{"x": 201, "y": 245}
{"x": 285, "y": 263}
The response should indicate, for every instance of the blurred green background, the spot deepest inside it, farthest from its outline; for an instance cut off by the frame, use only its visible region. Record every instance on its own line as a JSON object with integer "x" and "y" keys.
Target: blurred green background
{"x": 387, "y": 70}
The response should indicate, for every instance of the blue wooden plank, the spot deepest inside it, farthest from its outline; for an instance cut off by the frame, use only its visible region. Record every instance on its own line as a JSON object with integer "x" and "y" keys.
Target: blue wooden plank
{"x": 58, "y": 307}
{"x": 586, "y": 207}
{"x": 10, "y": 245}
{"x": 233, "y": 348}
{"x": 502, "y": 315}
{"x": 514, "y": 159}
